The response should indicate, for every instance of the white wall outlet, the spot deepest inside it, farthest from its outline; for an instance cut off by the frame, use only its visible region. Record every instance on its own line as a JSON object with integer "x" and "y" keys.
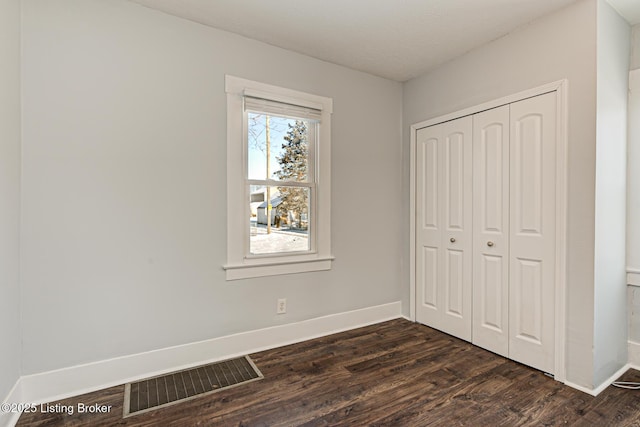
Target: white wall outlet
{"x": 282, "y": 306}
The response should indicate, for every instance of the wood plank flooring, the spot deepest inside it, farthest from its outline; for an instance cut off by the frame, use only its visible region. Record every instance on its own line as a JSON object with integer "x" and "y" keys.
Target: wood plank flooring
{"x": 395, "y": 373}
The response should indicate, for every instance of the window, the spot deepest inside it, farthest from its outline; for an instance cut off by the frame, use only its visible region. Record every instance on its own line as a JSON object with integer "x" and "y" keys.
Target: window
{"x": 281, "y": 178}
{"x": 278, "y": 180}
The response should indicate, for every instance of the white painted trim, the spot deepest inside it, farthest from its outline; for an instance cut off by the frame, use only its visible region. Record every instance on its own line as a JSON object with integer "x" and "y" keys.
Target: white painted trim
{"x": 561, "y": 89}
{"x": 15, "y": 396}
{"x": 80, "y": 379}
{"x": 242, "y": 86}
{"x": 412, "y": 225}
{"x": 9, "y": 419}
{"x": 235, "y": 272}
{"x": 239, "y": 265}
{"x": 509, "y": 99}
{"x": 633, "y": 350}
{"x": 562, "y": 166}
{"x": 633, "y": 278}
{"x": 596, "y": 391}
{"x": 633, "y": 362}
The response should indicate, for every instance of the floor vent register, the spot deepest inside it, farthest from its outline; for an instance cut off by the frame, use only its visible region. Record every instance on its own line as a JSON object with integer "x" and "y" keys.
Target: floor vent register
{"x": 176, "y": 387}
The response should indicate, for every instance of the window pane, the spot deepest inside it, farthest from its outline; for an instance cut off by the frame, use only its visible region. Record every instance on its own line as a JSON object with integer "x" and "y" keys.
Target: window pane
{"x": 288, "y": 230}
{"x": 277, "y": 148}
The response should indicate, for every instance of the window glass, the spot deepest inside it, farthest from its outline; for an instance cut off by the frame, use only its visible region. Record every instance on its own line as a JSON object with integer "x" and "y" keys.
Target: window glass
{"x": 278, "y": 150}
{"x": 286, "y": 143}
{"x": 289, "y": 228}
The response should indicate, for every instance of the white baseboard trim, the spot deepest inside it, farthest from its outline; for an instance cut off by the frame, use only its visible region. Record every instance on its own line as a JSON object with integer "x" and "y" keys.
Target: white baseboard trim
{"x": 62, "y": 383}
{"x": 9, "y": 419}
{"x": 596, "y": 391}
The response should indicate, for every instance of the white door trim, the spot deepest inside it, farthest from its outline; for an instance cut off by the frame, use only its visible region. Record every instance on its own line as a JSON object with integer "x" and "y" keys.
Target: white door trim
{"x": 561, "y": 89}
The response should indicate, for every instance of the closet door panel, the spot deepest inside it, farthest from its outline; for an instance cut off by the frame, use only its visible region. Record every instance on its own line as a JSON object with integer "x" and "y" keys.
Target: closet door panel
{"x": 455, "y": 280}
{"x": 527, "y": 296}
{"x": 429, "y": 277}
{"x": 428, "y": 225}
{"x": 491, "y": 230}
{"x": 428, "y": 195}
{"x": 443, "y": 235}
{"x": 455, "y": 189}
{"x": 533, "y": 231}
{"x": 457, "y": 236}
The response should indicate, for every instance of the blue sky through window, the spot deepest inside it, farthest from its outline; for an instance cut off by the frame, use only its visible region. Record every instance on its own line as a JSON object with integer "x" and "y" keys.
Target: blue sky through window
{"x": 257, "y": 158}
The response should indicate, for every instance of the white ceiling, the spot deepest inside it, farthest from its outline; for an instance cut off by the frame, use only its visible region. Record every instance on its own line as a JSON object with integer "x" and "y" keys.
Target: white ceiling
{"x": 396, "y": 39}
{"x": 630, "y": 9}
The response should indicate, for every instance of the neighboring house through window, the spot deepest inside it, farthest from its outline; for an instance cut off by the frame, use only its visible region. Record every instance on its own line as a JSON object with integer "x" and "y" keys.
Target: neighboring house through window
{"x": 278, "y": 180}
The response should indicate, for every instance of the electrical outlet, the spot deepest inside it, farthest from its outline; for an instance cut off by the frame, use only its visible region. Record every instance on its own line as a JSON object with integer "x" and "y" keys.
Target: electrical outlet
{"x": 282, "y": 306}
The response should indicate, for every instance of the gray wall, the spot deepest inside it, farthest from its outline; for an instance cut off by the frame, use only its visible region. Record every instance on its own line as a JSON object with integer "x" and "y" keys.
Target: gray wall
{"x": 124, "y": 153}
{"x": 559, "y": 46}
{"x": 9, "y": 195}
{"x": 610, "y": 325}
{"x": 633, "y": 182}
{"x": 633, "y": 188}
{"x": 635, "y": 47}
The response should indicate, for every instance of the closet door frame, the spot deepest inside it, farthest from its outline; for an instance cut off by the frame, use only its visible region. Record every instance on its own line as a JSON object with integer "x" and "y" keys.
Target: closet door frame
{"x": 560, "y": 87}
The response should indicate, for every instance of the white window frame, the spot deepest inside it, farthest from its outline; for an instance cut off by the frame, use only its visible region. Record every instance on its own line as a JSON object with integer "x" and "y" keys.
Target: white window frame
{"x": 240, "y": 264}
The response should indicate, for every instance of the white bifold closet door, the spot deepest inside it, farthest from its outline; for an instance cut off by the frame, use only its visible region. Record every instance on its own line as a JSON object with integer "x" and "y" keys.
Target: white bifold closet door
{"x": 485, "y": 229}
{"x": 491, "y": 230}
{"x": 443, "y": 227}
{"x": 532, "y": 266}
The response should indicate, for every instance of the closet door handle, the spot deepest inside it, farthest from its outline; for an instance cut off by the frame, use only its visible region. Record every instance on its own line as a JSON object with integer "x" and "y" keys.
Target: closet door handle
{"x": 452, "y": 240}
{"x": 490, "y": 244}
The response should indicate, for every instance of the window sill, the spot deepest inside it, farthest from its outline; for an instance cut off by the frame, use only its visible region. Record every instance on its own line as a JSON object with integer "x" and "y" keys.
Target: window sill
{"x": 276, "y": 268}
{"x": 633, "y": 277}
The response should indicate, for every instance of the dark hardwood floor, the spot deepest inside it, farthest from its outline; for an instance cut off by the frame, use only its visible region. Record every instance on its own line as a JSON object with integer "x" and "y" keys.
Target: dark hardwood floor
{"x": 395, "y": 373}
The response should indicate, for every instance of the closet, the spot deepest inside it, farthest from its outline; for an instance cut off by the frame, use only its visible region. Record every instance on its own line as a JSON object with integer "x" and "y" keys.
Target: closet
{"x": 485, "y": 232}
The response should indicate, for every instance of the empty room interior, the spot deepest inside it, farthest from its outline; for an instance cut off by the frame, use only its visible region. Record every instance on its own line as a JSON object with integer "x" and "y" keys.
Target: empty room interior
{"x": 443, "y": 204}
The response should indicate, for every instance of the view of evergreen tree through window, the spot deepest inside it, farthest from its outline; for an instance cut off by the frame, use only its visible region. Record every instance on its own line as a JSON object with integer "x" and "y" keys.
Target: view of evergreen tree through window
{"x": 280, "y": 178}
